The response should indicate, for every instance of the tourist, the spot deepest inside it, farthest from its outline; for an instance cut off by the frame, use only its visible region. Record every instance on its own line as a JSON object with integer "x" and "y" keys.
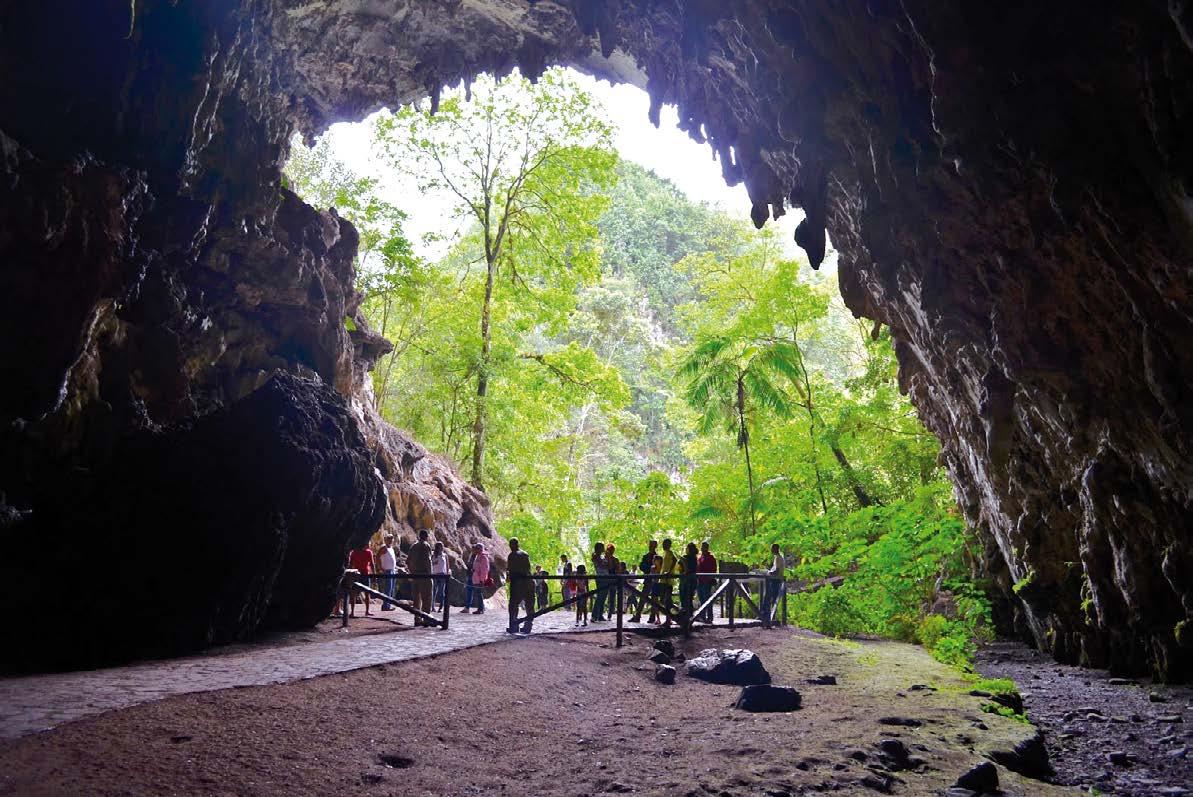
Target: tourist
{"x": 361, "y": 560}
{"x": 612, "y": 567}
{"x": 645, "y": 567}
{"x": 705, "y": 563}
{"x": 687, "y": 582}
{"x": 775, "y": 575}
{"x": 656, "y": 589}
{"x": 625, "y": 583}
{"x": 599, "y": 570}
{"x": 439, "y": 568}
{"x": 478, "y": 579}
{"x": 540, "y": 587}
{"x": 521, "y": 588}
{"x": 387, "y": 565}
{"x": 666, "y": 582}
{"x": 580, "y": 587}
{"x": 567, "y": 585}
{"x": 418, "y": 560}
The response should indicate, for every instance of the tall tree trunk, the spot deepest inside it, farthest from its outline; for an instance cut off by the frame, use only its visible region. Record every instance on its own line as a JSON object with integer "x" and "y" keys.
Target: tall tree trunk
{"x": 482, "y": 385}
{"x": 863, "y": 498}
{"x": 743, "y": 439}
{"x": 812, "y": 420}
{"x": 815, "y": 459}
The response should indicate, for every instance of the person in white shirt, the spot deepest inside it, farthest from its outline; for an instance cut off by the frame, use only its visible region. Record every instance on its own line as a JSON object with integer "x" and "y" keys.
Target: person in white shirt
{"x": 387, "y": 558}
{"x": 775, "y": 576}
{"x": 563, "y": 569}
{"x": 439, "y": 568}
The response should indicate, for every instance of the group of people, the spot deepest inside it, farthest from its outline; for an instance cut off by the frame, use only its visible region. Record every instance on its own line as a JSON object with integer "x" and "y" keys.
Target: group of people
{"x": 378, "y": 568}
{"x": 648, "y": 585}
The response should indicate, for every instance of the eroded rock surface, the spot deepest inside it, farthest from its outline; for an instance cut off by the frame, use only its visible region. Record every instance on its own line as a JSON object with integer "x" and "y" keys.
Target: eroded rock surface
{"x": 189, "y": 447}
{"x": 1008, "y": 188}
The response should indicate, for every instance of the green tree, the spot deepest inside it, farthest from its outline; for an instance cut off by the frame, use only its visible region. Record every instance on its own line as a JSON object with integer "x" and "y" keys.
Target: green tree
{"x": 729, "y": 380}
{"x": 526, "y": 165}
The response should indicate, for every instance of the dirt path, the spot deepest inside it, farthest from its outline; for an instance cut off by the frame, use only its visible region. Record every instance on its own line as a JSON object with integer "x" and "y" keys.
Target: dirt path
{"x": 1087, "y": 716}
{"x": 564, "y": 715}
{"x": 29, "y": 704}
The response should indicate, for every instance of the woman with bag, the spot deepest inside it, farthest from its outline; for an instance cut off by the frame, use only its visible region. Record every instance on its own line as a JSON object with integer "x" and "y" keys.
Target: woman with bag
{"x": 478, "y": 579}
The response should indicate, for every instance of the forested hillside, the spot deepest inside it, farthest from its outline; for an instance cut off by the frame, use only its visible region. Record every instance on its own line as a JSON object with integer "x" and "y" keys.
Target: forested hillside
{"x": 632, "y": 363}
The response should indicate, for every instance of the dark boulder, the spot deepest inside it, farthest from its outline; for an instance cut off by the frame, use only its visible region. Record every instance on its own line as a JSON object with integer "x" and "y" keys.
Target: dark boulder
{"x": 1028, "y": 757}
{"x": 982, "y": 777}
{"x": 738, "y": 667}
{"x": 664, "y": 674}
{"x": 767, "y": 698}
{"x": 665, "y": 647}
{"x": 198, "y": 534}
{"x": 659, "y": 657}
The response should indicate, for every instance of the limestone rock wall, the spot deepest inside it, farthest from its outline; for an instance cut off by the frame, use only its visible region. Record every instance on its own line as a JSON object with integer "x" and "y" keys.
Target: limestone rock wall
{"x": 185, "y": 454}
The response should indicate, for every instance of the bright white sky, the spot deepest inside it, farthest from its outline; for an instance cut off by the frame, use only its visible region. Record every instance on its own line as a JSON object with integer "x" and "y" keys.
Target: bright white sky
{"x": 667, "y": 150}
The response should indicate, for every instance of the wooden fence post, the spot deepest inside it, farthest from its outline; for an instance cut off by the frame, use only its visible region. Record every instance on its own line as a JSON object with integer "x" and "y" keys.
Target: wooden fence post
{"x": 732, "y": 599}
{"x": 620, "y": 608}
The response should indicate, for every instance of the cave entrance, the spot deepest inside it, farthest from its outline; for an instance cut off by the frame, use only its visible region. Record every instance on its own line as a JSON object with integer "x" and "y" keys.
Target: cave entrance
{"x": 581, "y": 319}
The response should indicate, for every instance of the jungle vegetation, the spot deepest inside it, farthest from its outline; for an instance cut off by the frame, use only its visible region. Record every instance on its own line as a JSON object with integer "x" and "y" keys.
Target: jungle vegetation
{"x": 614, "y": 361}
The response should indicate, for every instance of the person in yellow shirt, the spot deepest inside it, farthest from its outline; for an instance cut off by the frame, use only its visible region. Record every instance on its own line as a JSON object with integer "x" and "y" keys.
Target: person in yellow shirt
{"x": 666, "y": 583}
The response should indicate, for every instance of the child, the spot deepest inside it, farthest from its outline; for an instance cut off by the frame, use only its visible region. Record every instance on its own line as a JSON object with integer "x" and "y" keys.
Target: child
{"x": 580, "y": 585}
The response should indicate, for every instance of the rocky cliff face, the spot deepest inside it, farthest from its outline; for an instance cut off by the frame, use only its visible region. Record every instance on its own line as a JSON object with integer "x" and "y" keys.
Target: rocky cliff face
{"x": 1008, "y": 188}
{"x": 187, "y": 455}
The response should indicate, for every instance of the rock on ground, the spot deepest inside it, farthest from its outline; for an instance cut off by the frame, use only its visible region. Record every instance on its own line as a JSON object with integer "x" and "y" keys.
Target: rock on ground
{"x": 768, "y": 698}
{"x": 733, "y": 666}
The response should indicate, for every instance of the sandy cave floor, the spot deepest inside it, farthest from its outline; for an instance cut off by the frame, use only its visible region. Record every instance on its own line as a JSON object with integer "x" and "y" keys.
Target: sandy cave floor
{"x": 564, "y": 715}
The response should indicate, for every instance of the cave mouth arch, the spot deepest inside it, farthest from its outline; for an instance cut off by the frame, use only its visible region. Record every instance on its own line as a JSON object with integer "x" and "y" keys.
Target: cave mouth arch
{"x": 1008, "y": 189}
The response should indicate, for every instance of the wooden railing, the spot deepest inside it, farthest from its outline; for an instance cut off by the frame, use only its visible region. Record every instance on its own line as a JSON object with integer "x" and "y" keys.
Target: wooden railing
{"x": 731, "y": 588}
{"x": 353, "y": 582}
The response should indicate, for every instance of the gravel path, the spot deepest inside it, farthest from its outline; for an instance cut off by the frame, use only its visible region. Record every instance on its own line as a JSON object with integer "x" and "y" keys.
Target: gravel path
{"x": 1119, "y": 736}
{"x": 30, "y": 704}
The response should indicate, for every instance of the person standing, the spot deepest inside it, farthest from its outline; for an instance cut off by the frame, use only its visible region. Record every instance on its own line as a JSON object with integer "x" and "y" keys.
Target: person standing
{"x": 646, "y": 567}
{"x": 775, "y": 575}
{"x": 478, "y": 576}
{"x": 580, "y": 587}
{"x": 521, "y": 588}
{"x": 540, "y": 587}
{"x": 567, "y": 585}
{"x": 687, "y": 582}
{"x": 705, "y": 563}
{"x": 418, "y": 560}
{"x": 666, "y": 580}
{"x": 361, "y": 559}
{"x": 612, "y": 568}
{"x": 440, "y": 569}
{"x": 656, "y": 587}
{"x": 387, "y": 565}
{"x": 599, "y": 569}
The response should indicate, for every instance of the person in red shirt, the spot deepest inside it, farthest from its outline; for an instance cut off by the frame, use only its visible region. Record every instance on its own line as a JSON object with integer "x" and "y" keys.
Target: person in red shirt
{"x": 361, "y": 560}
{"x": 705, "y": 563}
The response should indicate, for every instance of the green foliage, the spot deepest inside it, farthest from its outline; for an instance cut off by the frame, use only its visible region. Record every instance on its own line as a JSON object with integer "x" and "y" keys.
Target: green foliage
{"x": 651, "y": 367}
{"x": 948, "y": 641}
